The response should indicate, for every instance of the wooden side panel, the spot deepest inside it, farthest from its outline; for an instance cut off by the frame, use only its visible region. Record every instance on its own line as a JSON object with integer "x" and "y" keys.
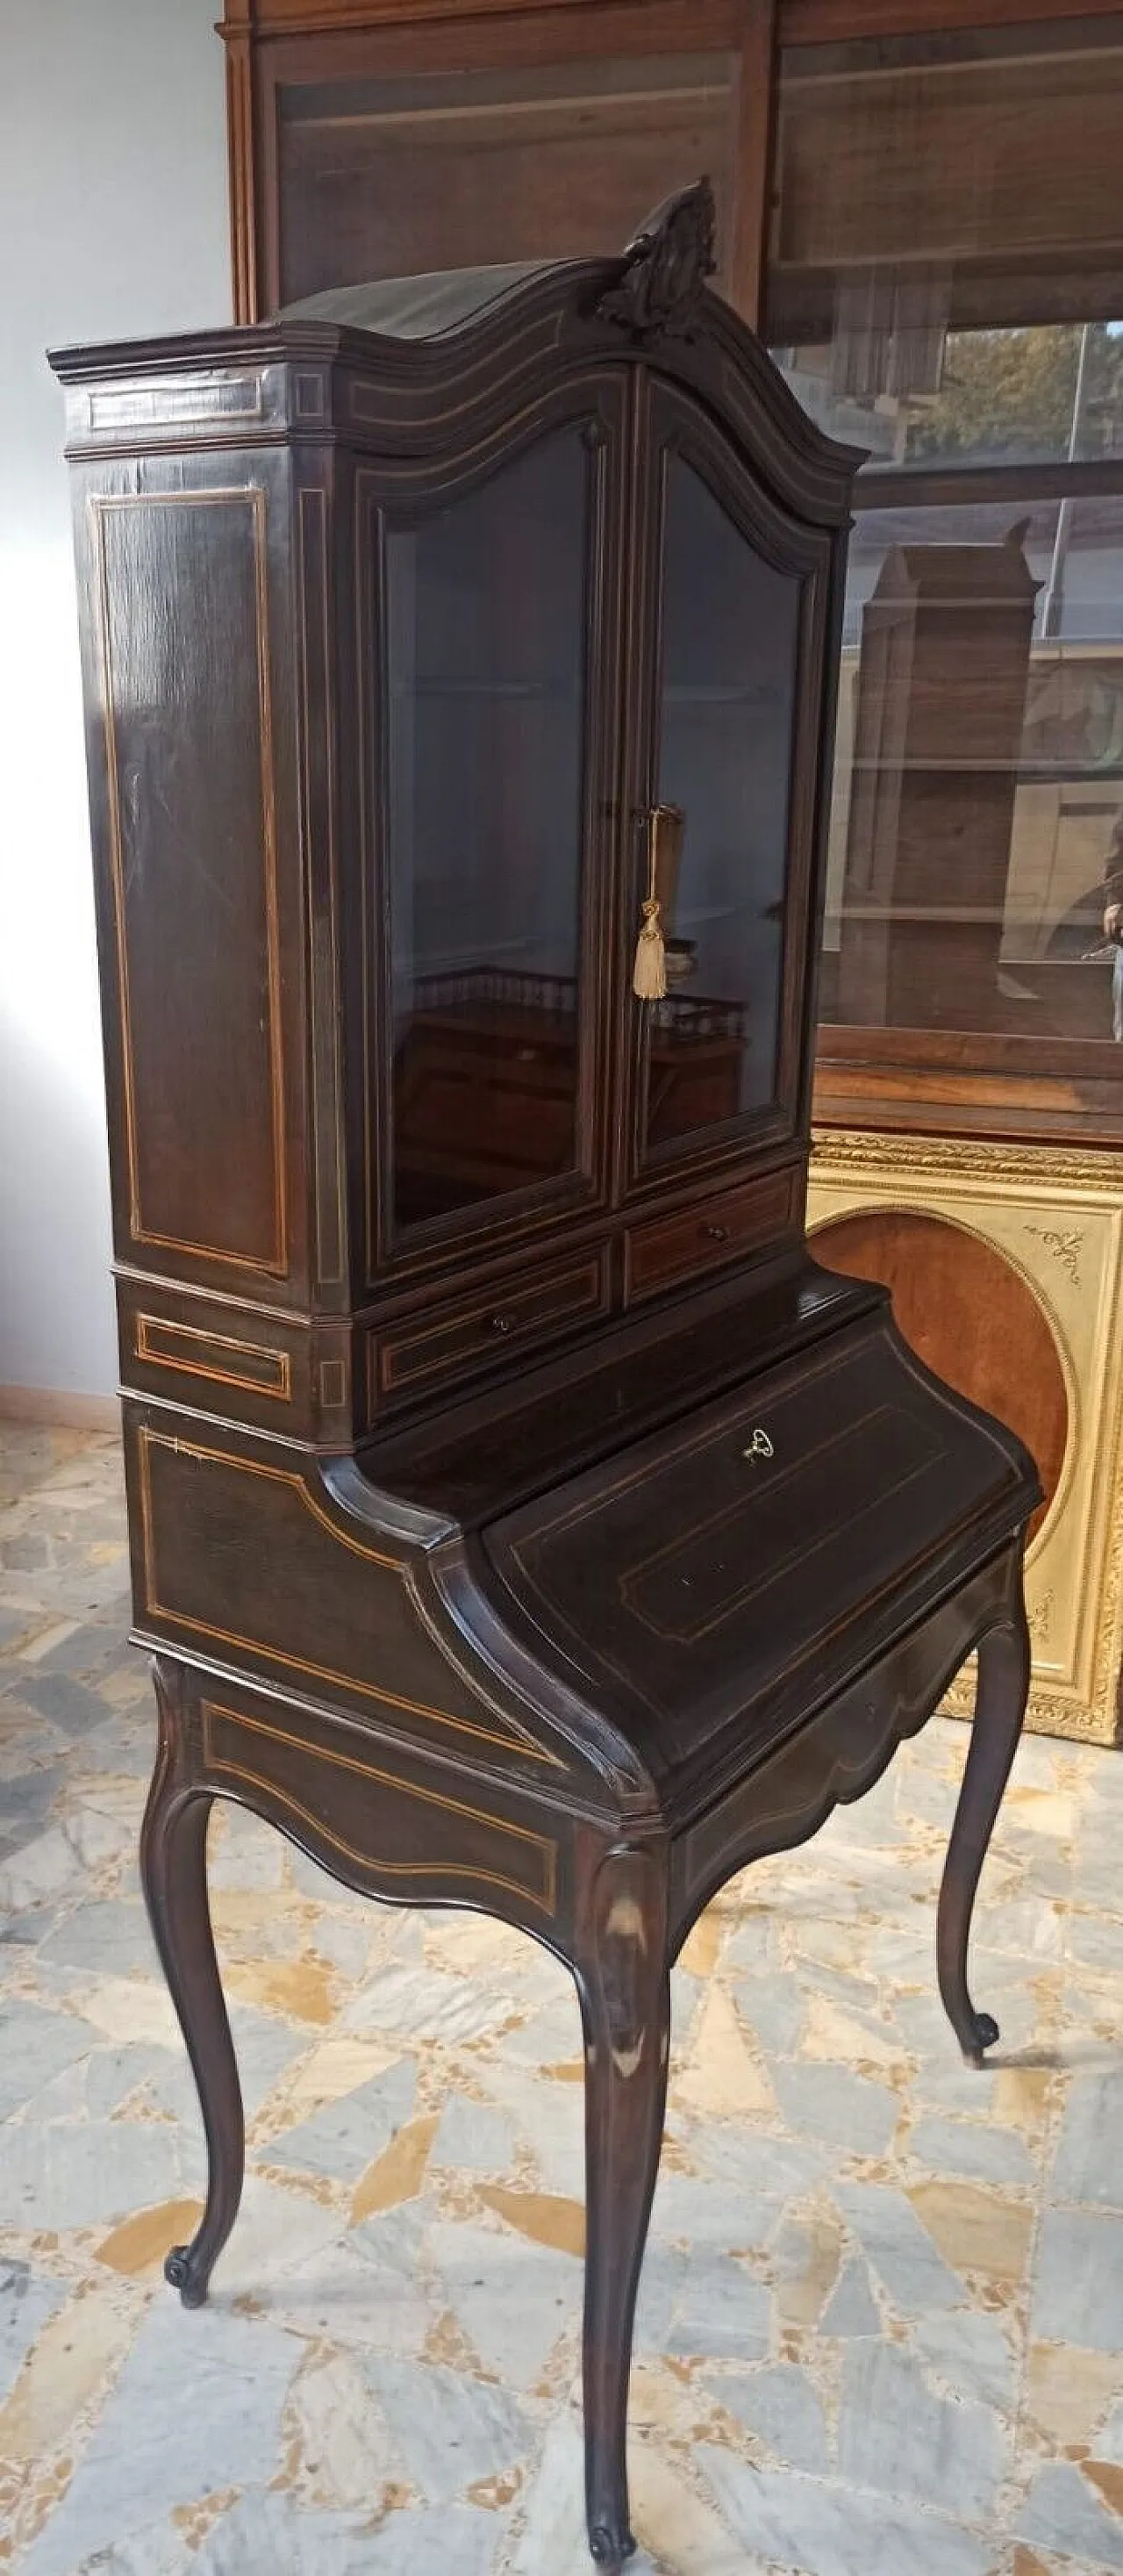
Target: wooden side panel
{"x": 192, "y": 900}
{"x": 240, "y": 1558}
{"x": 239, "y": 1362}
{"x": 369, "y": 1823}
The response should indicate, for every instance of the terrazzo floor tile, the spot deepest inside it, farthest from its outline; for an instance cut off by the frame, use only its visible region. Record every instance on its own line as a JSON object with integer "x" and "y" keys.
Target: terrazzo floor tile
{"x": 1064, "y": 2513}
{"x": 27, "y": 2301}
{"x": 783, "y": 2408}
{"x": 802, "y": 2524}
{"x": 1078, "y": 2289}
{"x": 452, "y": 2431}
{"x": 896, "y": 2435}
{"x": 342, "y": 2139}
{"x": 881, "y": 2322}
{"x": 1088, "y": 2166}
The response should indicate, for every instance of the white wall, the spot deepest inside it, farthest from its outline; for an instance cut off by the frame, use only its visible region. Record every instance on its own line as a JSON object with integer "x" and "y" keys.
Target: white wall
{"x": 113, "y": 222}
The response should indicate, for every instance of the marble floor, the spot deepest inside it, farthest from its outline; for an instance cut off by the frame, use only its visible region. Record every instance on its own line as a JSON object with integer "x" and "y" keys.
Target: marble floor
{"x": 882, "y": 2317}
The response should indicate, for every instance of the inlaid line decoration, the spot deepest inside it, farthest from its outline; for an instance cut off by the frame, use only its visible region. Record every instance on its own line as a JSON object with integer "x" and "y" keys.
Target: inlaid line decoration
{"x": 194, "y": 400}
{"x": 546, "y": 1901}
{"x": 320, "y": 863}
{"x": 507, "y": 1735}
{"x": 241, "y": 496}
{"x": 568, "y": 1294}
{"x": 277, "y": 1380}
{"x": 666, "y": 1559}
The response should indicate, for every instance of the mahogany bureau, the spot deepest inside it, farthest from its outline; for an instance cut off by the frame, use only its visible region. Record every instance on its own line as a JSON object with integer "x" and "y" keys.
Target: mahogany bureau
{"x": 520, "y": 1518}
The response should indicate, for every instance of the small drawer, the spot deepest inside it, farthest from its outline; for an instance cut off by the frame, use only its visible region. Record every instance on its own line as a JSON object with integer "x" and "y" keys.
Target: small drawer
{"x": 674, "y": 1248}
{"x": 478, "y": 1334}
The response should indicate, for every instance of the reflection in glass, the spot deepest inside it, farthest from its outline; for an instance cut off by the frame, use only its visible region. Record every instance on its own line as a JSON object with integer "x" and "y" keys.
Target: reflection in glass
{"x": 392, "y": 177}
{"x": 730, "y": 637}
{"x": 946, "y": 281}
{"x": 946, "y": 288}
{"x": 485, "y": 676}
{"x": 977, "y": 824}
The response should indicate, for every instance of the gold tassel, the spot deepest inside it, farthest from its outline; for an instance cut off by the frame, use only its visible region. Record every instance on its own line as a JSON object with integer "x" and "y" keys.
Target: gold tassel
{"x": 649, "y": 974}
{"x": 664, "y": 845}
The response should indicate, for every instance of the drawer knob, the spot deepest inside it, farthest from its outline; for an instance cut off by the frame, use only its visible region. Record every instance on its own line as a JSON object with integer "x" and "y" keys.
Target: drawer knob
{"x": 759, "y": 1446}
{"x": 500, "y": 1323}
{"x": 716, "y": 1233}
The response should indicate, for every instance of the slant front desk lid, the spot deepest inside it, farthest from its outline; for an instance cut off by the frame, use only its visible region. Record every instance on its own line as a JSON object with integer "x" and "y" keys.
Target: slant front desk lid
{"x": 712, "y": 1584}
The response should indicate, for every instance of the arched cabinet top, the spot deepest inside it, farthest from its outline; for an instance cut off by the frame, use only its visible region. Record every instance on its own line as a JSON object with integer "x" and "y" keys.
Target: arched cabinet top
{"x": 374, "y": 365}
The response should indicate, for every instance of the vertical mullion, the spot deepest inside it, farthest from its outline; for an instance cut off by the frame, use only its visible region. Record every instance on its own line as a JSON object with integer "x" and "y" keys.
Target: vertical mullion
{"x": 237, "y": 29}
{"x": 751, "y": 158}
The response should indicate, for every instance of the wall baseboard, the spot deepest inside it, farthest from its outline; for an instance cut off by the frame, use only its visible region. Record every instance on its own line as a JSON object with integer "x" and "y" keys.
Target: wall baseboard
{"x": 60, "y": 1408}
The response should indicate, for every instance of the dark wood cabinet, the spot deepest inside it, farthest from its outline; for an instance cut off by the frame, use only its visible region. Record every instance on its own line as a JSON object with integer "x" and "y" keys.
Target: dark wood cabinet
{"x": 520, "y": 1518}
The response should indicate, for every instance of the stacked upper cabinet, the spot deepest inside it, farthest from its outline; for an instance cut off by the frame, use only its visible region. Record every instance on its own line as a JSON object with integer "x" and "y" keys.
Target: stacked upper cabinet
{"x": 919, "y": 207}
{"x": 592, "y": 639}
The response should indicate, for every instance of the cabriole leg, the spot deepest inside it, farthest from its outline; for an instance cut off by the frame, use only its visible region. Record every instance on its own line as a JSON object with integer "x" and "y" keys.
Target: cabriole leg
{"x": 173, "y": 1866}
{"x": 625, "y": 2001}
{"x": 1000, "y": 1703}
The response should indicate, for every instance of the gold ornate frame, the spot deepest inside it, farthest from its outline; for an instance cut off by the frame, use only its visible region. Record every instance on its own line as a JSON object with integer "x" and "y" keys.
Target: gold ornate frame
{"x": 1056, "y": 1215}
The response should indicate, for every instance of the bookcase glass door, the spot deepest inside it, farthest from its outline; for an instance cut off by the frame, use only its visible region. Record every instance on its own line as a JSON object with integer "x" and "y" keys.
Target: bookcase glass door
{"x": 394, "y": 174}
{"x": 485, "y": 661}
{"x": 946, "y": 289}
{"x": 730, "y": 629}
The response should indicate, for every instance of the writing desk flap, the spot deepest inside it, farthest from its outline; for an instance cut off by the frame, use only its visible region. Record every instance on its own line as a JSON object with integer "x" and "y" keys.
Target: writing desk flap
{"x": 732, "y": 1571}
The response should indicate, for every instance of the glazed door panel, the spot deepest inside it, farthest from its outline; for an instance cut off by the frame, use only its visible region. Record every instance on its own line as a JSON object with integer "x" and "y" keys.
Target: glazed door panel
{"x": 738, "y": 621}
{"x": 395, "y": 172}
{"x": 497, "y": 595}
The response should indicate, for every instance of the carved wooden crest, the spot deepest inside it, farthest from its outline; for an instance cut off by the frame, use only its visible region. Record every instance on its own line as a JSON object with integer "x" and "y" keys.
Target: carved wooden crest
{"x": 666, "y": 266}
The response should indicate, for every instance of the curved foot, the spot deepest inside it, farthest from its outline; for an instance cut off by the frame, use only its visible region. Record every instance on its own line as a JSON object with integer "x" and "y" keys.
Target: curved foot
{"x": 173, "y": 1864}
{"x": 611, "y": 2548}
{"x": 183, "y": 2275}
{"x": 985, "y": 2034}
{"x": 1004, "y": 1658}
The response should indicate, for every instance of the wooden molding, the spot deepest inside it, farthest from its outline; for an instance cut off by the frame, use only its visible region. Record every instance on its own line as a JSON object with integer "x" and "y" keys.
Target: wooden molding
{"x": 264, "y": 19}
{"x": 839, "y": 22}
{"x": 242, "y": 169}
{"x": 801, "y": 22}
{"x": 753, "y": 149}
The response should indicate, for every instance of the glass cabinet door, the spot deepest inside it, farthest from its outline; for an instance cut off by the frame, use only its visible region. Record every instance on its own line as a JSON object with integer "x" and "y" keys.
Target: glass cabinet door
{"x": 390, "y": 173}
{"x": 946, "y": 288}
{"x": 485, "y": 713}
{"x": 710, "y": 1052}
